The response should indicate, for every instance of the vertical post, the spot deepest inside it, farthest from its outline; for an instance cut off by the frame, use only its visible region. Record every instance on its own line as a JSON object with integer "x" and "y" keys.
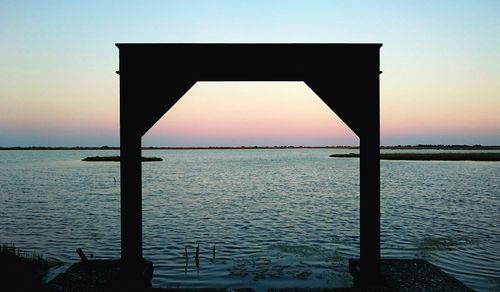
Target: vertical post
{"x": 370, "y": 185}
{"x": 130, "y": 185}
{"x": 363, "y": 117}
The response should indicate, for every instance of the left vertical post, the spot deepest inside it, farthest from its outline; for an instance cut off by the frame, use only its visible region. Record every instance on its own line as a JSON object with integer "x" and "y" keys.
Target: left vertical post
{"x": 130, "y": 180}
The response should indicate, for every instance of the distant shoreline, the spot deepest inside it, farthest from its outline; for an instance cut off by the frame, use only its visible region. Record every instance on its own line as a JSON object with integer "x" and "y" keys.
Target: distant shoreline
{"x": 431, "y": 156}
{"x": 397, "y": 147}
{"x": 117, "y": 159}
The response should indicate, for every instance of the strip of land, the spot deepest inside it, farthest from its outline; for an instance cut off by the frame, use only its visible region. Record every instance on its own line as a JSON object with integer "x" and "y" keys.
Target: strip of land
{"x": 396, "y": 147}
{"x": 409, "y": 275}
{"x": 431, "y": 156}
{"x": 117, "y": 158}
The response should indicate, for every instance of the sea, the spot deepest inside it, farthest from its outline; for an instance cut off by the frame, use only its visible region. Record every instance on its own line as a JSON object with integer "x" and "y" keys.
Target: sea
{"x": 263, "y": 218}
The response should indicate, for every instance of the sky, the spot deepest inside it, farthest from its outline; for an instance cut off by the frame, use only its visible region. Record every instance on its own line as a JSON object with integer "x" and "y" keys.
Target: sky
{"x": 440, "y": 63}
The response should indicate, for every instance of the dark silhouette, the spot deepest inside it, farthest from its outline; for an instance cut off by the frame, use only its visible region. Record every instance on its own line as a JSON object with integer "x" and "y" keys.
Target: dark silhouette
{"x": 197, "y": 256}
{"x": 431, "y": 156}
{"x": 187, "y": 258}
{"x": 153, "y": 77}
{"x": 117, "y": 158}
{"x": 81, "y": 254}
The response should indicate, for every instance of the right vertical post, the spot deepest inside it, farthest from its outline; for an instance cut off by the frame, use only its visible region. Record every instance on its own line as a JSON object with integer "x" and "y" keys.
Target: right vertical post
{"x": 370, "y": 182}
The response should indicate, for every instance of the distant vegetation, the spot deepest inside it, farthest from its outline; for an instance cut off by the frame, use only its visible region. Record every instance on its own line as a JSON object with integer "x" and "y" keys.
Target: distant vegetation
{"x": 431, "y": 156}
{"x": 22, "y": 270}
{"x": 117, "y": 158}
{"x": 418, "y": 146}
{"x": 442, "y": 146}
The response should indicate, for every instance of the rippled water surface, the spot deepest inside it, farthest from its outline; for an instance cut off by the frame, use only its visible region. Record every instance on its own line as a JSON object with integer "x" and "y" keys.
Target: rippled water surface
{"x": 277, "y": 218}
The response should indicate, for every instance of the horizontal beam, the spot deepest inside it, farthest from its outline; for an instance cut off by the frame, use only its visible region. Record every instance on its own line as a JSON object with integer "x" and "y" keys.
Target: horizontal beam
{"x": 250, "y": 62}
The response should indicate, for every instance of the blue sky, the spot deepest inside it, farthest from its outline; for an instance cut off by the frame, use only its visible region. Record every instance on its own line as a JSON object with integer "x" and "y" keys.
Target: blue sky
{"x": 440, "y": 60}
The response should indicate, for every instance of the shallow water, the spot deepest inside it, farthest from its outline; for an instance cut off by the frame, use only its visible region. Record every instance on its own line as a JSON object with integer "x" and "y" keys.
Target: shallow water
{"x": 277, "y": 218}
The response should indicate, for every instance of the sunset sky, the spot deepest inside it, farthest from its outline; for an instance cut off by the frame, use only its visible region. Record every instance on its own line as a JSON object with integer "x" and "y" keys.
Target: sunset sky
{"x": 440, "y": 63}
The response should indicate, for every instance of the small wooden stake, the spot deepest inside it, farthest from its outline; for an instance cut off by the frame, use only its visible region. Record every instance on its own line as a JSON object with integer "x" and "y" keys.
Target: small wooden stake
{"x": 83, "y": 257}
{"x": 197, "y": 256}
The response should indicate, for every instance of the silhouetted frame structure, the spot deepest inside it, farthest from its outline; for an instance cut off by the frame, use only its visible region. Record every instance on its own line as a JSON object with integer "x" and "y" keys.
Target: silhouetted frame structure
{"x": 153, "y": 77}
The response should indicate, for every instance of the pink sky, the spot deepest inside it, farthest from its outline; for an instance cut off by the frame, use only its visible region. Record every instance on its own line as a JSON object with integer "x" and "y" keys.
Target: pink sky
{"x": 245, "y": 111}
{"x": 440, "y": 63}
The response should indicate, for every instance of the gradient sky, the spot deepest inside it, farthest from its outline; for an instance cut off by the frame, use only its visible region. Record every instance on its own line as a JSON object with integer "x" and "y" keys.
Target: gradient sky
{"x": 441, "y": 64}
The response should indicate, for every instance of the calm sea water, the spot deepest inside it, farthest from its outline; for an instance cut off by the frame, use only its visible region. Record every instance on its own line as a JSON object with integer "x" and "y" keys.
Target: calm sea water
{"x": 277, "y": 218}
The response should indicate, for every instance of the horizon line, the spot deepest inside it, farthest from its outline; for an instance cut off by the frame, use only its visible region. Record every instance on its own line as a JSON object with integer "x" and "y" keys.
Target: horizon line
{"x": 399, "y": 146}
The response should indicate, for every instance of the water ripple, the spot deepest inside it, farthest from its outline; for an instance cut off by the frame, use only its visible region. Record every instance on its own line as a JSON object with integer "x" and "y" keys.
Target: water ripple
{"x": 276, "y": 217}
